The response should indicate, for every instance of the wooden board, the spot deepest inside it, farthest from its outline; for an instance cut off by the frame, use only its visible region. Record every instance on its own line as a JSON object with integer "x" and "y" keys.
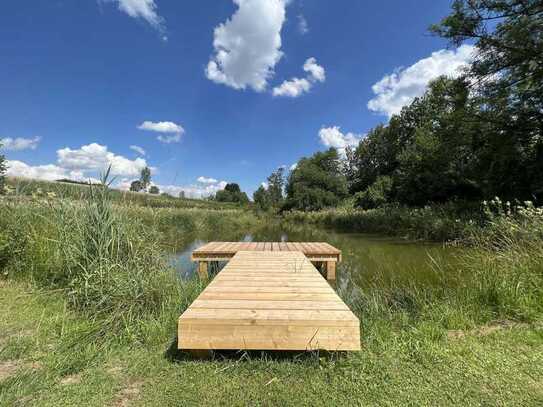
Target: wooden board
{"x": 269, "y": 300}
{"x": 314, "y": 251}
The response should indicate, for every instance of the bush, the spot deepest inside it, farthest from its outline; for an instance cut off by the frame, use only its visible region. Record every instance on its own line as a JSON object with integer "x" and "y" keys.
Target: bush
{"x": 445, "y": 222}
{"x": 376, "y": 195}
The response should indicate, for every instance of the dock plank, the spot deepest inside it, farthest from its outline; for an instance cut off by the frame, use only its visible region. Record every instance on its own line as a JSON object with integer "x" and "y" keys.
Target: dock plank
{"x": 269, "y": 300}
{"x": 226, "y": 250}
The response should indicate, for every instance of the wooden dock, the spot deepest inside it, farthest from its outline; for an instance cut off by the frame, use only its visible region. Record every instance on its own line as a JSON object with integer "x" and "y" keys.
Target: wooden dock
{"x": 269, "y": 300}
{"x": 316, "y": 252}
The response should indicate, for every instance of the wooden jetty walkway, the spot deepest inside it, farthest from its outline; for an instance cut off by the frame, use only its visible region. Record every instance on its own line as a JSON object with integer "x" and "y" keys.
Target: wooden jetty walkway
{"x": 224, "y": 251}
{"x": 268, "y": 300}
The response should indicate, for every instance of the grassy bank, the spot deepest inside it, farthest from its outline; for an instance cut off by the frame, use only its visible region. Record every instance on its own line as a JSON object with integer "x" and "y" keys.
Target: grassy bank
{"x": 444, "y": 222}
{"x": 91, "y": 306}
{"x": 47, "y": 189}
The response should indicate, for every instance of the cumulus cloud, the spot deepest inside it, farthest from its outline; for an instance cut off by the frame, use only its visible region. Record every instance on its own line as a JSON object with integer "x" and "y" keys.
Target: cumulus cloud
{"x": 248, "y": 45}
{"x": 303, "y": 26}
{"x": 316, "y": 72}
{"x": 204, "y": 180}
{"x": 82, "y": 164}
{"x": 334, "y": 137}
{"x": 293, "y": 166}
{"x": 398, "y": 89}
{"x": 197, "y": 191}
{"x": 144, "y": 9}
{"x": 19, "y": 143}
{"x": 95, "y": 157}
{"x": 48, "y": 172}
{"x": 138, "y": 150}
{"x": 292, "y": 88}
{"x": 172, "y": 131}
{"x": 296, "y": 87}
{"x": 161, "y": 127}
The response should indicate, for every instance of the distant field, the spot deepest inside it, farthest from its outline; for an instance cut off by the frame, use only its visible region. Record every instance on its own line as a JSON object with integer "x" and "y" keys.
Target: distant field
{"x": 30, "y": 187}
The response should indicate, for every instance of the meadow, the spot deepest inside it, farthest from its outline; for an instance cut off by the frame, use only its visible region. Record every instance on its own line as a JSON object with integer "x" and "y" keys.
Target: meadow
{"x": 90, "y": 305}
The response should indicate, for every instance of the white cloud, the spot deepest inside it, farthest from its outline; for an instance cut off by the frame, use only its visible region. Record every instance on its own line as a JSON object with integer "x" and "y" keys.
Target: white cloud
{"x": 198, "y": 191}
{"x": 265, "y": 185}
{"x": 296, "y": 87}
{"x": 144, "y": 9}
{"x": 292, "y": 88}
{"x": 317, "y": 72}
{"x": 95, "y": 157}
{"x": 204, "y": 180}
{"x": 248, "y": 45}
{"x": 173, "y": 131}
{"x": 333, "y": 137}
{"x": 174, "y": 138}
{"x": 44, "y": 172}
{"x": 49, "y": 172}
{"x": 399, "y": 89}
{"x": 19, "y": 143}
{"x": 293, "y": 166}
{"x": 138, "y": 150}
{"x": 162, "y": 127}
{"x": 303, "y": 27}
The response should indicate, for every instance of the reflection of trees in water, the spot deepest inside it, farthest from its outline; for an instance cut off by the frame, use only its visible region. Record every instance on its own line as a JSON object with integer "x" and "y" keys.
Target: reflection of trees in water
{"x": 369, "y": 261}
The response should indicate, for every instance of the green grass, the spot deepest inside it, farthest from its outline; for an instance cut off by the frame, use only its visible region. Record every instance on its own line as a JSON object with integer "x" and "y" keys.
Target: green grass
{"x": 446, "y": 222}
{"x": 47, "y": 189}
{"x": 89, "y": 311}
{"x": 39, "y": 334}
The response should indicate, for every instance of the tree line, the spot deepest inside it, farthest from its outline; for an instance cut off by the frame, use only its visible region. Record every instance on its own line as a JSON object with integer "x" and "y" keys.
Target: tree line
{"x": 466, "y": 139}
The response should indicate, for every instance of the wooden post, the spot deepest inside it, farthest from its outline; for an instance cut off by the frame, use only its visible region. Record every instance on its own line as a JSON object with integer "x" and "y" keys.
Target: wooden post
{"x": 202, "y": 270}
{"x": 330, "y": 270}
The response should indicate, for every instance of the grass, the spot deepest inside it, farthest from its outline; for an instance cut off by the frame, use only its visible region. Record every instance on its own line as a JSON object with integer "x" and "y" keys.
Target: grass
{"x": 404, "y": 367}
{"x": 445, "y": 222}
{"x": 42, "y": 189}
{"x": 90, "y": 308}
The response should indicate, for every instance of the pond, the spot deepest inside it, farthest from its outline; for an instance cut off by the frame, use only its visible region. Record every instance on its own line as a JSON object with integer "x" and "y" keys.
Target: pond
{"x": 368, "y": 260}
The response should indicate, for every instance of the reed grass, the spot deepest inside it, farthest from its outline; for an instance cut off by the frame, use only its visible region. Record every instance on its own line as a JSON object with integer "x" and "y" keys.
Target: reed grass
{"x": 446, "y": 222}
{"x": 109, "y": 258}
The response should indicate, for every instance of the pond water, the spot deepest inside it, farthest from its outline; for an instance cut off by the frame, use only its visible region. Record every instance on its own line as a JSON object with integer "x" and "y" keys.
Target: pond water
{"x": 368, "y": 260}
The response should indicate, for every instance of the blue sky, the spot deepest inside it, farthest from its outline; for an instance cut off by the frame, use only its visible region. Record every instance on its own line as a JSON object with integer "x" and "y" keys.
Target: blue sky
{"x": 211, "y": 90}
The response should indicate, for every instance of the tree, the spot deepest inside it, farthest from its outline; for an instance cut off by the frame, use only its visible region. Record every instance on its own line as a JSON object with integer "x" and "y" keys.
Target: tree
{"x": 430, "y": 151}
{"x": 508, "y": 36}
{"x": 231, "y": 193}
{"x": 232, "y": 188}
{"x": 276, "y": 184}
{"x": 2, "y": 171}
{"x": 316, "y": 183}
{"x": 261, "y": 197}
{"x": 154, "y": 190}
{"x": 507, "y": 77}
{"x": 145, "y": 178}
{"x": 375, "y": 195}
{"x": 136, "y": 186}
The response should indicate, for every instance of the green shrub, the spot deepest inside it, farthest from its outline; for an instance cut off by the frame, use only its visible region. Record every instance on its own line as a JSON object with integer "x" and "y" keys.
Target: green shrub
{"x": 376, "y": 195}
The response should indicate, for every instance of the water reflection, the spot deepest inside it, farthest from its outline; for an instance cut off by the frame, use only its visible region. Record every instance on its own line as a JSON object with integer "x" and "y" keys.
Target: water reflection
{"x": 368, "y": 260}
